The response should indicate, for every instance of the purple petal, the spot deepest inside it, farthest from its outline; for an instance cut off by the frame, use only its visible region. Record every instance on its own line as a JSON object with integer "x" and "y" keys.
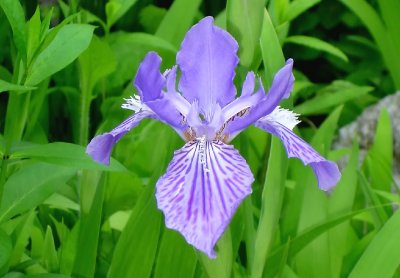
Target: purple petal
{"x": 281, "y": 87}
{"x": 246, "y": 100}
{"x": 167, "y": 112}
{"x": 201, "y": 189}
{"x": 100, "y": 147}
{"x": 181, "y": 104}
{"x": 326, "y": 171}
{"x": 207, "y": 59}
{"x": 149, "y": 82}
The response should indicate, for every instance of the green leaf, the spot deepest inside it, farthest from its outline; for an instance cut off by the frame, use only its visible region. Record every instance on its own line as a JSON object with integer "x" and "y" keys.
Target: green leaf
{"x": 244, "y": 22}
{"x": 47, "y": 275}
{"x": 175, "y": 258}
{"x": 342, "y": 201}
{"x": 136, "y": 249}
{"x": 382, "y": 256}
{"x": 90, "y": 225}
{"x": 135, "y": 46}
{"x": 6, "y": 86}
{"x": 315, "y": 258}
{"x": 34, "y": 29}
{"x": 304, "y": 238}
{"x": 5, "y": 249}
{"x": 96, "y": 62}
{"x": 375, "y": 25}
{"x": 63, "y": 154}
{"x": 15, "y": 15}
{"x": 21, "y": 236}
{"x": 67, "y": 45}
{"x": 115, "y": 9}
{"x": 298, "y": 7}
{"x": 272, "y": 198}
{"x": 30, "y": 186}
{"x": 222, "y": 265}
{"x": 271, "y": 50}
{"x": 177, "y": 21}
{"x": 333, "y": 95}
{"x": 380, "y": 156}
{"x": 50, "y": 257}
{"x": 318, "y": 45}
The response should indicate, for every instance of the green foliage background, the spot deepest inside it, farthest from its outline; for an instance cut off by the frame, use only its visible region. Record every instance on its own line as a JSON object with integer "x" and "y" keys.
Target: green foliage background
{"x": 65, "y": 69}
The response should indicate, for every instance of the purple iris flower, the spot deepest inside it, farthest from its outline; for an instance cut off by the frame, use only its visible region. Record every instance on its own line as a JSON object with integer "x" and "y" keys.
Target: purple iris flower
{"x": 207, "y": 178}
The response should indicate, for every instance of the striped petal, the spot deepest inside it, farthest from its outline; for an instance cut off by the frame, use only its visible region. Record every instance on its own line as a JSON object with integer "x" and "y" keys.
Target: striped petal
{"x": 100, "y": 147}
{"x": 326, "y": 171}
{"x": 201, "y": 189}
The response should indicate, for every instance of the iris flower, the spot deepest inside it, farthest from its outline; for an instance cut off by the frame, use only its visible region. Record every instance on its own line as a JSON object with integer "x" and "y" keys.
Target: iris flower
{"x": 207, "y": 178}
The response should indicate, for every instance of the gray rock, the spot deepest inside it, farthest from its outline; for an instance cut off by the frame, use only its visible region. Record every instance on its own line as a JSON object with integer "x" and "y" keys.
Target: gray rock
{"x": 364, "y": 128}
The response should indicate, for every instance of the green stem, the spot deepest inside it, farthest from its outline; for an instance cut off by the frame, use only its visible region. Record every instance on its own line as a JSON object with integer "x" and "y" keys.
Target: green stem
{"x": 16, "y": 116}
{"x": 84, "y": 110}
{"x": 3, "y": 174}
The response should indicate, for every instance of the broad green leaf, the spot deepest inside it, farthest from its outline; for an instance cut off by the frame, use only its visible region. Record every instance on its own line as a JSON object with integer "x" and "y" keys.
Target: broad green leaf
{"x": 136, "y": 46}
{"x": 64, "y": 154}
{"x": 222, "y": 265}
{"x": 177, "y": 21}
{"x": 271, "y": 50}
{"x": 314, "y": 259}
{"x": 67, "y": 45}
{"x": 96, "y": 62}
{"x": 303, "y": 239}
{"x": 318, "y": 45}
{"x": 135, "y": 251}
{"x": 175, "y": 257}
{"x": 272, "y": 198}
{"x": 60, "y": 201}
{"x": 341, "y": 202}
{"x": 244, "y": 22}
{"x": 337, "y": 93}
{"x": 47, "y": 275}
{"x": 5, "y": 249}
{"x": 115, "y": 9}
{"x": 15, "y": 15}
{"x": 297, "y": 7}
{"x": 30, "y": 186}
{"x": 7, "y": 86}
{"x": 382, "y": 257}
{"x": 150, "y": 17}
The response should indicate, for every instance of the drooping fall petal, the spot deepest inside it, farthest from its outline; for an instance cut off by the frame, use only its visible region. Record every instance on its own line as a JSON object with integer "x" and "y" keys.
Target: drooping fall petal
{"x": 327, "y": 172}
{"x": 100, "y": 147}
{"x": 201, "y": 189}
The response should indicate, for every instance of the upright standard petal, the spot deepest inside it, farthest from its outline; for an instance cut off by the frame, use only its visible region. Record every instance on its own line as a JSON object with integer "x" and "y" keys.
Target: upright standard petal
{"x": 326, "y": 171}
{"x": 150, "y": 84}
{"x": 149, "y": 81}
{"x": 207, "y": 59}
{"x": 100, "y": 147}
{"x": 281, "y": 87}
{"x": 201, "y": 189}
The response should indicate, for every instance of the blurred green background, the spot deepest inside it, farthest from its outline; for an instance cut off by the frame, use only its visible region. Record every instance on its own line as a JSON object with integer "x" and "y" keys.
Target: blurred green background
{"x": 65, "y": 67}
